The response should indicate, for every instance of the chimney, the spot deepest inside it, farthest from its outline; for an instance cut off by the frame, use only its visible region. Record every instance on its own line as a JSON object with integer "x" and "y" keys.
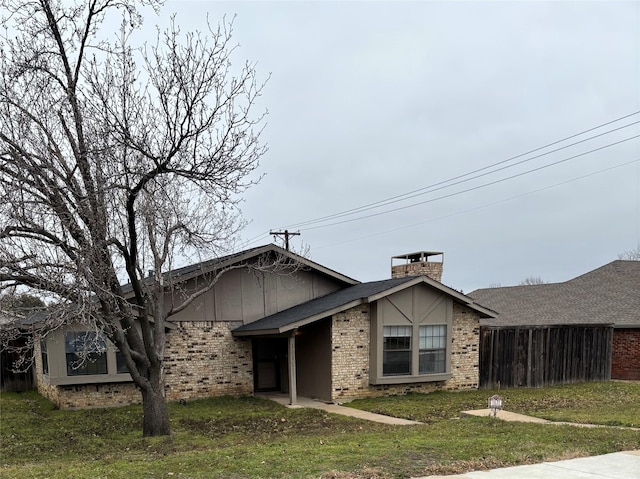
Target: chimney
{"x": 418, "y": 264}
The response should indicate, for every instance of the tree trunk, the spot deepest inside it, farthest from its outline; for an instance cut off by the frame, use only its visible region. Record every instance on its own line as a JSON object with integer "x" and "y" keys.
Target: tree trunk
{"x": 155, "y": 421}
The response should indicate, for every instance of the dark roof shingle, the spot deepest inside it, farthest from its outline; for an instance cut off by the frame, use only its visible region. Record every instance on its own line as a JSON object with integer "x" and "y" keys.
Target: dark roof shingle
{"x": 607, "y": 295}
{"x": 321, "y": 306}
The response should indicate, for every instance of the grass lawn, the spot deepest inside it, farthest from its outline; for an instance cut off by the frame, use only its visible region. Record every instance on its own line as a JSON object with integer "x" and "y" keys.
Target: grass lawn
{"x": 255, "y": 438}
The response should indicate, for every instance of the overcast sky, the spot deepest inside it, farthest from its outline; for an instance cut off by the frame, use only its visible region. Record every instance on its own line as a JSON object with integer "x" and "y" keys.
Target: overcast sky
{"x": 371, "y": 100}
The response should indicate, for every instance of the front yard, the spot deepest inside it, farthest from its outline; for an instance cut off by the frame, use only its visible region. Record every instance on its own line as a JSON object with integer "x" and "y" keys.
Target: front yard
{"x": 255, "y": 438}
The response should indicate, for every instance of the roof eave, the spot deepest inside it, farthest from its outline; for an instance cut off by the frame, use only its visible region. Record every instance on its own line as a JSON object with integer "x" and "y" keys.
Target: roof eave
{"x": 298, "y": 324}
{"x": 456, "y": 295}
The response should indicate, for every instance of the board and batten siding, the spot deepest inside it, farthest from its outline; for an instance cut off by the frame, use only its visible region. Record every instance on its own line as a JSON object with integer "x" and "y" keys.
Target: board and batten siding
{"x": 244, "y": 296}
{"x": 544, "y": 355}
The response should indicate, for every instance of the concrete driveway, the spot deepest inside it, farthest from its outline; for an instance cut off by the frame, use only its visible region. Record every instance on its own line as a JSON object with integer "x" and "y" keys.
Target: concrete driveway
{"x": 618, "y": 465}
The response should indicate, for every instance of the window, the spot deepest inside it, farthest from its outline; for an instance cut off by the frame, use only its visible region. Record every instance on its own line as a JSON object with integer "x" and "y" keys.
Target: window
{"x": 44, "y": 356}
{"x": 433, "y": 349}
{"x": 86, "y": 353}
{"x": 121, "y": 364}
{"x": 396, "y": 356}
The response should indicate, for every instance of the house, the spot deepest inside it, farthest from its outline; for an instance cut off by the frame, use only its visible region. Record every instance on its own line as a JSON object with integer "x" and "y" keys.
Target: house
{"x": 15, "y": 376}
{"x": 587, "y": 328}
{"x": 303, "y": 330}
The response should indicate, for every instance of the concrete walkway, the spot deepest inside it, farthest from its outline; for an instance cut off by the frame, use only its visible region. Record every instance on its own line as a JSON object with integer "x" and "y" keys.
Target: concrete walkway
{"x": 512, "y": 416}
{"x": 335, "y": 409}
{"x": 618, "y": 465}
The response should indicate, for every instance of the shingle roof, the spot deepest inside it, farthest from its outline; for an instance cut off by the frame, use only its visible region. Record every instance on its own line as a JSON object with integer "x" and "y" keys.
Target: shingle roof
{"x": 320, "y": 306}
{"x": 341, "y": 300}
{"x": 607, "y": 295}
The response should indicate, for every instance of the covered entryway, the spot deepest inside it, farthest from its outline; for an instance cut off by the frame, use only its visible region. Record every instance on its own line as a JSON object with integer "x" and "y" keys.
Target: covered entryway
{"x": 297, "y": 362}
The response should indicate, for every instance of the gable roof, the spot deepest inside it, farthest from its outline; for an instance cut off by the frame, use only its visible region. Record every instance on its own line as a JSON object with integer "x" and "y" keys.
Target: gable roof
{"x": 191, "y": 271}
{"x": 607, "y": 295}
{"x": 342, "y": 300}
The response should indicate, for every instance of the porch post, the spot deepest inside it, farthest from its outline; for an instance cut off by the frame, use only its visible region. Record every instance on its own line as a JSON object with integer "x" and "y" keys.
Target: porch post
{"x": 293, "y": 394}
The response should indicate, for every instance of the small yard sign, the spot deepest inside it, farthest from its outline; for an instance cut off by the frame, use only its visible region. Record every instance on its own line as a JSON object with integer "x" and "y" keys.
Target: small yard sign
{"x": 495, "y": 403}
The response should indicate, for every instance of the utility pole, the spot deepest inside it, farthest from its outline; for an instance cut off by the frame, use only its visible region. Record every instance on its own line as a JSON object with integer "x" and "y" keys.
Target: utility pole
{"x": 286, "y": 234}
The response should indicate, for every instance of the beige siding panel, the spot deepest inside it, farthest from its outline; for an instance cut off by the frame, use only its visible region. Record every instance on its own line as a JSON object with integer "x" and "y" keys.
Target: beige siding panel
{"x": 253, "y": 295}
{"x": 431, "y": 306}
{"x": 228, "y": 296}
{"x": 313, "y": 358}
{"x": 323, "y": 285}
{"x": 293, "y": 289}
{"x": 396, "y": 309}
{"x": 243, "y": 295}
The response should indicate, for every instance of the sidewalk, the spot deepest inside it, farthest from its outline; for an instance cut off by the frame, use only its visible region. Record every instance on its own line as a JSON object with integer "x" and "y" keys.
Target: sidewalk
{"x": 618, "y": 465}
{"x": 335, "y": 409}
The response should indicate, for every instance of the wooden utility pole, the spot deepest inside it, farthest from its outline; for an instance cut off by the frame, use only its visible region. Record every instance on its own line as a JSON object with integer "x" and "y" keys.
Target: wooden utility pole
{"x": 286, "y": 234}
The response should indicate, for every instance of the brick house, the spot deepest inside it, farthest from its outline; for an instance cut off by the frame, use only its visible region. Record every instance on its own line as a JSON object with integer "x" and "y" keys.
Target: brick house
{"x": 309, "y": 331}
{"x": 595, "y": 317}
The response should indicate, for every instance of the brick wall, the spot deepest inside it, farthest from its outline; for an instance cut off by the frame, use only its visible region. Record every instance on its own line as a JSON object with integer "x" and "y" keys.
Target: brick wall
{"x": 431, "y": 269}
{"x": 465, "y": 350}
{"x": 625, "y": 363}
{"x": 203, "y": 359}
{"x": 350, "y": 353}
{"x": 350, "y": 357}
{"x": 84, "y": 395}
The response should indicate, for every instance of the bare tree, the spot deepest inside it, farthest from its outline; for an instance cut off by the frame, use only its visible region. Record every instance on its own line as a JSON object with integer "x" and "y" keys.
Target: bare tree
{"x": 532, "y": 280}
{"x": 116, "y": 159}
{"x": 631, "y": 255}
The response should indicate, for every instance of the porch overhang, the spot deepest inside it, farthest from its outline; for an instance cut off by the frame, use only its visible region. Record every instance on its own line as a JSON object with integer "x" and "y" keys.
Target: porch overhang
{"x": 266, "y": 326}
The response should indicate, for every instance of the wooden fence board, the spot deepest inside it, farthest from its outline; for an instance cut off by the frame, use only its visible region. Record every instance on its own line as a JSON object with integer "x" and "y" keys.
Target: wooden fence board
{"x": 544, "y": 355}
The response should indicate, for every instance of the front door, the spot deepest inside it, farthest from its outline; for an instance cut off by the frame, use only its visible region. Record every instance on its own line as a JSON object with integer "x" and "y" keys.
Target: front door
{"x": 269, "y": 358}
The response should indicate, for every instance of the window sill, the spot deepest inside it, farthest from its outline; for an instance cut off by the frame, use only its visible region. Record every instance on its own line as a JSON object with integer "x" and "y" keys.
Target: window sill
{"x": 423, "y": 378}
{"x": 89, "y": 379}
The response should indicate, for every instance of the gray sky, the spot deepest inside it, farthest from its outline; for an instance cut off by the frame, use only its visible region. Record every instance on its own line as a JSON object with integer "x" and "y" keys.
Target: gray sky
{"x": 371, "y": 100}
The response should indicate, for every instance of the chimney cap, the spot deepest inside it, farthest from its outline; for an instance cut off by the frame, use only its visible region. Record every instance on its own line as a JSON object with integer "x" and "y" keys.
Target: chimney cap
{"x": 420, "y": 256}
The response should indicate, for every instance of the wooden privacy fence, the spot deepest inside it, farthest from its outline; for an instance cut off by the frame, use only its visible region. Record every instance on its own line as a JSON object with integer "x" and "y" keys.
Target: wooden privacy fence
{"x": 539, "y": 356}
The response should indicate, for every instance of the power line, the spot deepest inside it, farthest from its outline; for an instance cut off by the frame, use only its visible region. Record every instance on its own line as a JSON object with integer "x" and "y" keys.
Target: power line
{"x": 472, "y": 188}
{"x": 432, "y": 187}
{"x": 486, "y": 205}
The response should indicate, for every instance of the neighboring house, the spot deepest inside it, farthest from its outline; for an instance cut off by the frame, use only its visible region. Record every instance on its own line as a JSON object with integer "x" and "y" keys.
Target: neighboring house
{"x": 587, "y": 328}
{"x": 309, "y": 331}
{"x": 15, "y": 346}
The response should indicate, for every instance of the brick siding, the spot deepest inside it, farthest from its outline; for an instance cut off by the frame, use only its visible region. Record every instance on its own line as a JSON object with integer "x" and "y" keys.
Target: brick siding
{"x": 350, "y": 342}
{"x": 350, "y": 353}
{"x": 465, "y": 351}
{"x": 203, "y": 359}
{"x": 422, "y": 268}
{"x": 625, "y": 362}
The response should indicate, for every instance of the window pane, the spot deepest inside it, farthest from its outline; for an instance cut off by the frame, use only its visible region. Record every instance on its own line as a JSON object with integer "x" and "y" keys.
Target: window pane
{"x": 396, "y": 363}
{"x": 433, "y": 348}
{"x": 396, "y": 346}
{"x": 121, "y": 364}
{"x": 85, "y": 354}
{"x": 432, "y": 362}
{"x": 44, "y": 355}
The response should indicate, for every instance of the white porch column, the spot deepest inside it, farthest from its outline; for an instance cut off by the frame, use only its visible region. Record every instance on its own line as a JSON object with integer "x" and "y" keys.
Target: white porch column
{"x": 293, "y": 394}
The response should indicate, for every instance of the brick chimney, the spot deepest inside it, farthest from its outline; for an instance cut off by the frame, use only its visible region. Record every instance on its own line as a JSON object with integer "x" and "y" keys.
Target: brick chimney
{"x": 418, "y": 264}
